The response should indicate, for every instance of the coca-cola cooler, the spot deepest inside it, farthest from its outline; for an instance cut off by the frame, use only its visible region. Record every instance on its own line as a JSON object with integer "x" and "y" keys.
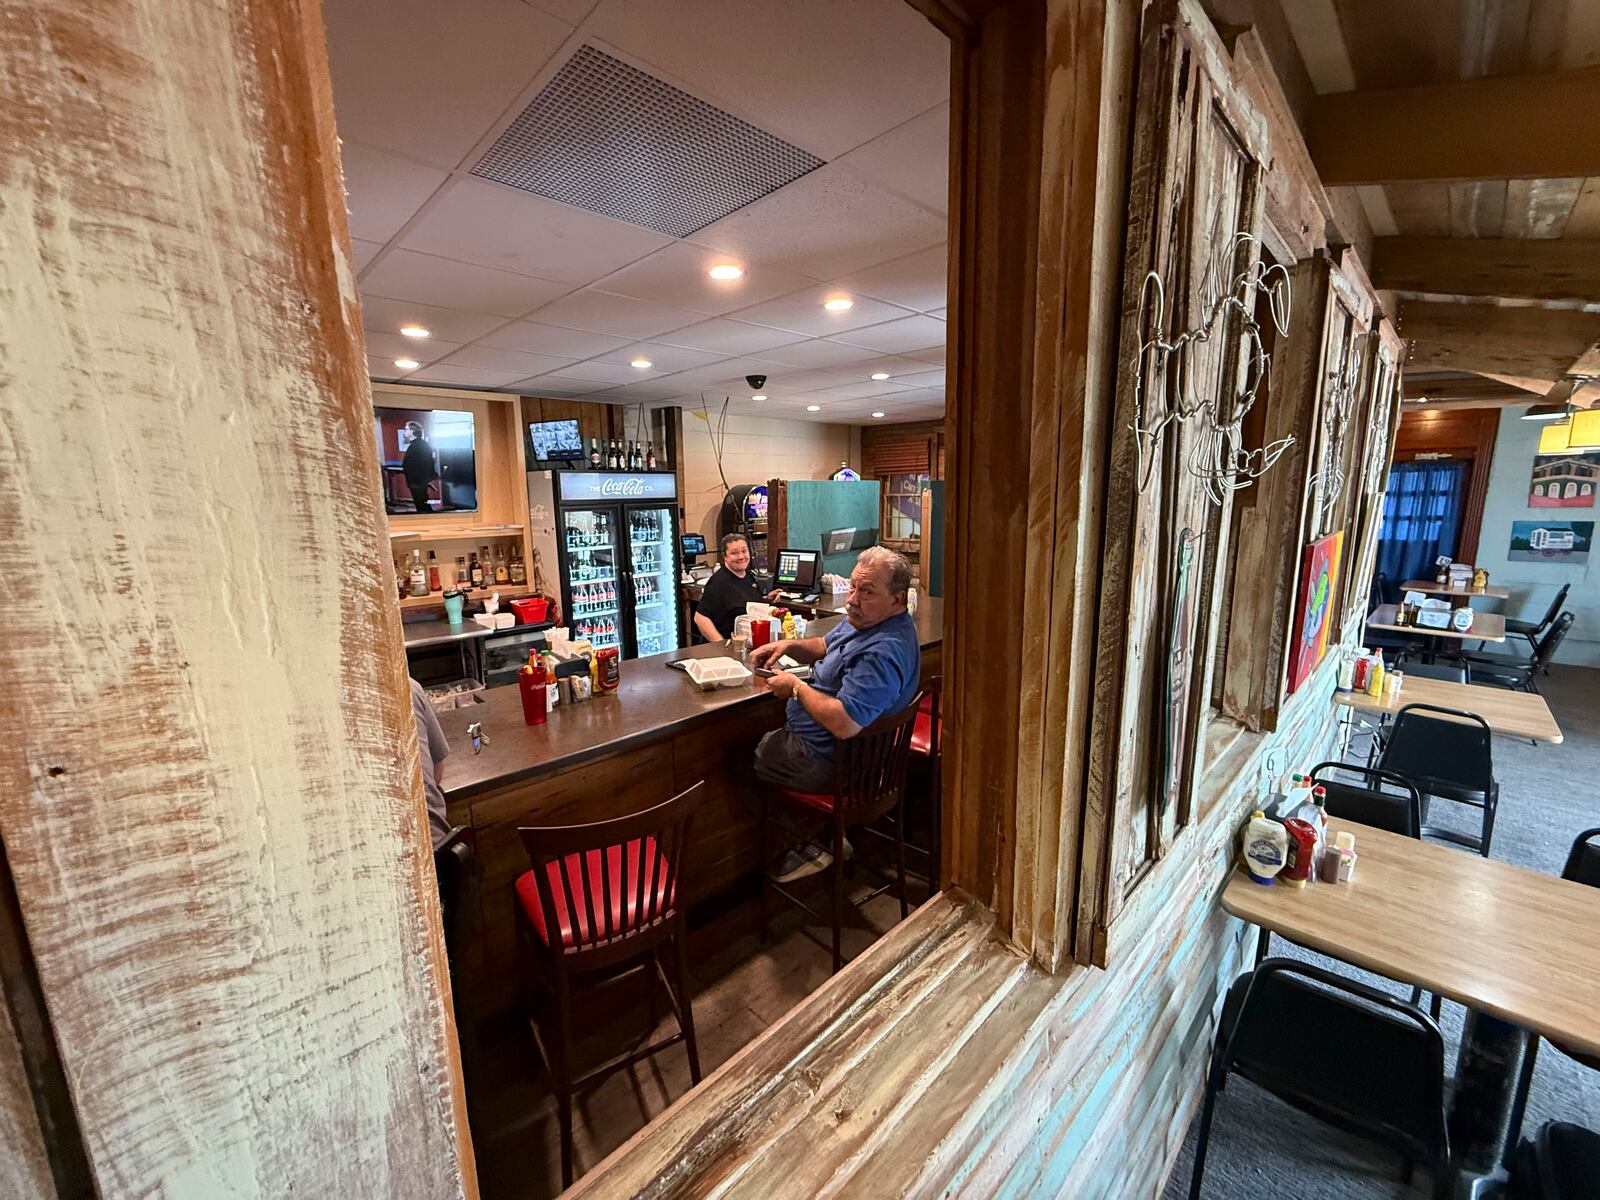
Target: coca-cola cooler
{"x": 616, "y": 539}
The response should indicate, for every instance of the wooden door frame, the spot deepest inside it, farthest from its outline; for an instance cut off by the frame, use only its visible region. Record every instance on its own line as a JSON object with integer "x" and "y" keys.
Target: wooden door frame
{"x": 1481, "y": 429}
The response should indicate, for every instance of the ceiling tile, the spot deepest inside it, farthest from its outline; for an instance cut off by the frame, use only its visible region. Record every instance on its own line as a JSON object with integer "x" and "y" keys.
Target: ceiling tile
{"x": 505, "y": 360}
{"x": 677, "y": 276}
{"x": 819, "y": 378}
{"x": 664, "y": 359}
{"x": 723, "y": 336}
{"x": 469, "y": 377}
{"x": 917, "y": 281}
{"x": 922, "y": 379}
{"x": 802, "y": 312}
{"x": 600, "y": 312}
{"x": 898, "y": 337}
{"x": 558, "y": 382}
{"x": 382, "y": 315}
{"x": 816, "y": 352}
{"x": 363, "y": 252}
{"x": 497, "y": 226}
{"x": 637, "y": 393}
{"x": 428, "y": 80}
{"x": 445, "y": 283}
{"x": 571, "y": 11}
{"x": 932, "y": 354}
{"x": 390, "y": 346}
{"x": 385, "y": 191}
{"x": 911, "y": 160}
{"x": 826, "y": 224}
{"x": 826, "y": 84}
{"x": 856, "y": 391}
{"x": 382, "y": 369}
{"x": 610, "y": 374}
{"x": 938, "y": 312}
{"x": 533, "y": 338}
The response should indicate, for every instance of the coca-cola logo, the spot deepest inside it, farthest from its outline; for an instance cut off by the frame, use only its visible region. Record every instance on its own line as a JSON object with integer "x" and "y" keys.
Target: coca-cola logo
{"x": 621, "y": 489}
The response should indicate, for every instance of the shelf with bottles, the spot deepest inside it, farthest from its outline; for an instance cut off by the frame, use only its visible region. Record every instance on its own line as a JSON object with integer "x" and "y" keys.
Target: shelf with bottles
{"x": 496, "y": 567}
{"x": 474, "y": 596}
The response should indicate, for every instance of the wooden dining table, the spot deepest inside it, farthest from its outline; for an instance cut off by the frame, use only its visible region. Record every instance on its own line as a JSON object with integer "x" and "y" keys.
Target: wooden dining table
{"x": 1433, "y": 588}
{"x": 1519, "y": 948}
{"x": 1518, "y": 714}
{"x": 1486, "y": 626}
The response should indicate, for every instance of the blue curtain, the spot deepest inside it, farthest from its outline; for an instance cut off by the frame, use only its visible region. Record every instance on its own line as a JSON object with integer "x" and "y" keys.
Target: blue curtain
{"x": 1421, "y": 520}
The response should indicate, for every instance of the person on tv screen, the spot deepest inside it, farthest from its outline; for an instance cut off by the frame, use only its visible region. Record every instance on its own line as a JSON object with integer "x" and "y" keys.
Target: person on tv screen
{"x": 419, "y": 466}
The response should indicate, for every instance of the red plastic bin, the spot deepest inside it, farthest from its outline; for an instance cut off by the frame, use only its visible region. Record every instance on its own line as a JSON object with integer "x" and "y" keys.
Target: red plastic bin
{"x": 531, "y": 609}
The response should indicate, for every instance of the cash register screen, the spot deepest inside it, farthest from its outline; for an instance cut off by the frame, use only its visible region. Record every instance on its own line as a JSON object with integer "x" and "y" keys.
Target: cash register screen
{"x": 797, "y": 569}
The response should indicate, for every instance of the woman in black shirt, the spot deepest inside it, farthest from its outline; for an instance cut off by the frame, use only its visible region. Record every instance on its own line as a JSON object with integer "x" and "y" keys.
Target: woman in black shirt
{"x": 729, "y": 589}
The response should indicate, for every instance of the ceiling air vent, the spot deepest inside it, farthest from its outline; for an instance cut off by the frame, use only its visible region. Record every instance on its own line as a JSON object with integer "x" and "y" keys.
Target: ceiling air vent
{"x": 607, "y": 137}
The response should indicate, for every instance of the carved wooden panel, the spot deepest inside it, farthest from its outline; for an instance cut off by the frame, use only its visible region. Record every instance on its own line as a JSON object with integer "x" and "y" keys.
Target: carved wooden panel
{"x": 1196, "y": 185}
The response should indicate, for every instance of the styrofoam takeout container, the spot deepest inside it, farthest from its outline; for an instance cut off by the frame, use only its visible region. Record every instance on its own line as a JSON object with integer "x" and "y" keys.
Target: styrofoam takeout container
{"x": 710, "y": 673}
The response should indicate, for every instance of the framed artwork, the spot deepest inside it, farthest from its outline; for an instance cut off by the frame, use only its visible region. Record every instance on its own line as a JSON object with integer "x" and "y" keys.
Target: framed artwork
{"x": 1550, "y": 541}
{"x": 1564, "y": 480}
{"x": 1314, "y": 608}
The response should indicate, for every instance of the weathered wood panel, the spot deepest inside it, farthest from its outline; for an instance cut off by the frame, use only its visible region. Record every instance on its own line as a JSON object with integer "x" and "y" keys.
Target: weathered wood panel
{"x": 27, "y": 1174}
{"x": 209, "y": 793}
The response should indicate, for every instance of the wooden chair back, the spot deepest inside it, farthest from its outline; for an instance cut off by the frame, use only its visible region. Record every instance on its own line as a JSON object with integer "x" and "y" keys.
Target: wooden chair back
{"x": 869, "y": 770}
{"x": 616, "y": 881}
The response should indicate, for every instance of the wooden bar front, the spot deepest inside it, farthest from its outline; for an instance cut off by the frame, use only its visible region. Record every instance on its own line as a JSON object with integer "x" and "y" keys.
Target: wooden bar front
{"x": 609, "y": 757}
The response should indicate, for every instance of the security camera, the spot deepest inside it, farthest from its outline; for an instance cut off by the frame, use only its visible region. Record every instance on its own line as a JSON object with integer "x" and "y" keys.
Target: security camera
{"x": 756, "y": 382}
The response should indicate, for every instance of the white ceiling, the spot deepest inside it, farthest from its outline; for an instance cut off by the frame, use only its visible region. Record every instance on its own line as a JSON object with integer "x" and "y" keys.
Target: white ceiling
{"x": 534, "y": 296}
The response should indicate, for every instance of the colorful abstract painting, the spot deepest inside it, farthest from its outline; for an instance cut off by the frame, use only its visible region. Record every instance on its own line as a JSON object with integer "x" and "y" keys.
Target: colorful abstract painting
{"x": 1314, "y": 615}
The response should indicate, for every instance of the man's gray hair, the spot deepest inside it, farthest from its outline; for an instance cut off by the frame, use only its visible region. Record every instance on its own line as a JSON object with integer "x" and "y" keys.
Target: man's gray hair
{"x": 899, "y": 566}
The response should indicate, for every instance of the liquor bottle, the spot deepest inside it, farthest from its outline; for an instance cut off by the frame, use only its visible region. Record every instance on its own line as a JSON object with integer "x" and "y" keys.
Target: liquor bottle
{"x": 635, "y": 458}
{"x": 519, "y": 571}
{"x": 502, "y": 573}
{"x": 463, "y": 576}
{"x": 433, "y": 573}
{"x": 649, "y": 456}
{"x": 476, "y": 569}
{"x": 419, "y": 575}
{"x": 594, "y": 454}
{"x": 614, "y": 456}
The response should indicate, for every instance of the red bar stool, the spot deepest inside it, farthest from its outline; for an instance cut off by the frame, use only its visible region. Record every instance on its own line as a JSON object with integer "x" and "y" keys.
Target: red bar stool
{"x": 609, "y": 891}
{"x": 927, "y": 737}
{"x": 869, "y": 782}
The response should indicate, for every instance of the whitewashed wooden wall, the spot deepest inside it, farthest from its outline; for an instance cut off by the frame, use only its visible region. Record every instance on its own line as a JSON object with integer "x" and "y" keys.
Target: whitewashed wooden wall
{"x": 208, "y": 784}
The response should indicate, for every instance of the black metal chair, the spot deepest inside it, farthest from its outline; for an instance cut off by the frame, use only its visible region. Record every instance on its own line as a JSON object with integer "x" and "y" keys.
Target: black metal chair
{"x": 1370, "y": 805}
{"x": 456, "y": 865}
{"x": 1446, "y": 758}
{"x": 1520, "y": 674}
{"x": 1374, "y": 1068}
{"x": 1449, "y": 671}
{"x": 1533, "y": 630}
{"x": 1560, "y": 1162}
{"x": 1583, "y": 866}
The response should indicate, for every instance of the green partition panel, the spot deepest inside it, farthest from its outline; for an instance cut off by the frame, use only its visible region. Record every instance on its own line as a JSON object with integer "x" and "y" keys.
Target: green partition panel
{"x": 935, "y": 540}
{"x": 818, "y": 506}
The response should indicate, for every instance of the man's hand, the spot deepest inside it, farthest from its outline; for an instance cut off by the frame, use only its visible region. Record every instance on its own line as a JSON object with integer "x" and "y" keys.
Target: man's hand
{"x": 782, "y": 684}
{"x": 774, "y": 593}
{"x": 762, "y": 655}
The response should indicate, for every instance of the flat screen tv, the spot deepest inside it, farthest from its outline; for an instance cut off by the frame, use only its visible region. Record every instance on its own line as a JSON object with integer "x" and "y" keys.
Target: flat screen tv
{"x": 555, "y": 441}
{"x": 429, "y": 460}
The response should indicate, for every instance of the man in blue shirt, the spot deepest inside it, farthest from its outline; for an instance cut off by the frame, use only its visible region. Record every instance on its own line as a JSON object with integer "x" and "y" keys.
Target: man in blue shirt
{"x": 864, "y": 667}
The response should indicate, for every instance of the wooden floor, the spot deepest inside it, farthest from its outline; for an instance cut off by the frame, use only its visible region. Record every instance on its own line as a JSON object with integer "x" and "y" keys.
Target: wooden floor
{"x": 740, "y": 987}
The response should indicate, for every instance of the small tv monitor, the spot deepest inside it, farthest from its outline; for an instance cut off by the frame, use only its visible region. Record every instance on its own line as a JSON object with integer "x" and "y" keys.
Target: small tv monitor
{"x": 429, "y": 460}
{"x": 839, "y": 541}
{"x": 694, "y": 543}
{"x": 797, "y": 569}
{"x": 555, "y": 441}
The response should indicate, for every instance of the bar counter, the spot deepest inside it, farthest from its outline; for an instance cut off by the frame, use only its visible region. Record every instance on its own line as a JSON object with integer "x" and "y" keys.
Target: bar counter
{"x": 608, "y": 757}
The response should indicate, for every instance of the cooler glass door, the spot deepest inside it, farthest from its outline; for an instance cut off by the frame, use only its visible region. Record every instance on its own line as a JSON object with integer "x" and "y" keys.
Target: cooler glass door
{"x": 594, "y": 584}
{"x": 654, "y": 568}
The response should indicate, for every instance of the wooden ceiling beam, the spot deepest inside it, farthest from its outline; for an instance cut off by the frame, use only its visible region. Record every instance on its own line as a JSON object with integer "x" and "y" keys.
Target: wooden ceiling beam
{"x": 1475, "y": 387}
{"x": 1499, "y": 360}
{"x": 1535, "y": 269}
{"x": 1555, "y": 331}
{"x": 1503, "y": 127}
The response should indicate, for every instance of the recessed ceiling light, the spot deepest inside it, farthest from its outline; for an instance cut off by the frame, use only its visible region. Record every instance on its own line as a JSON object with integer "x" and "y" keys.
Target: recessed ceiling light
{"x": 813, "y": 408}
{"x": 725, "y": 271}
{"x": 758, "y": 397}
{"x": 407, "y": 364}
{"x": 838, "y": 304}
{"x": 880, "y": 375}
{"x": 877, "y": 414}
{"x": 641, "y": 364}
{"x": 415, "y": 331}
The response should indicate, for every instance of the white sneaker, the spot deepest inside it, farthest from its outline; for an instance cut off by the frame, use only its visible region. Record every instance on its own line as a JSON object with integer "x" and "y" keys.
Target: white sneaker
{"x": 798, "y": 864}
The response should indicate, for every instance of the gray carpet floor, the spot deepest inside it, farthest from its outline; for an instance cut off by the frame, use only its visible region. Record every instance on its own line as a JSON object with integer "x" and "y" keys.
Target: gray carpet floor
{"x": 1260, "y": 1147}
